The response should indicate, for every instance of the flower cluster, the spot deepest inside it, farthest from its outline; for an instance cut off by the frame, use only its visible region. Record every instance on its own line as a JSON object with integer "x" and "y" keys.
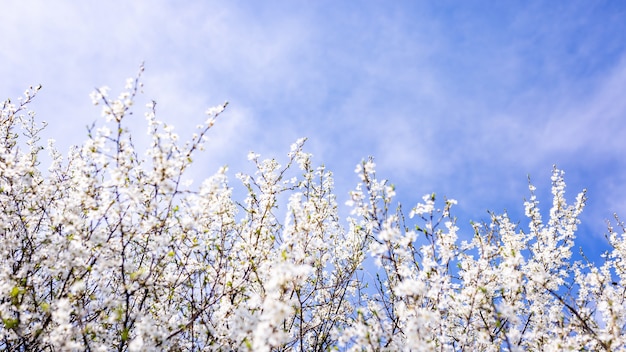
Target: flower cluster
{"x": 109, "y": 249}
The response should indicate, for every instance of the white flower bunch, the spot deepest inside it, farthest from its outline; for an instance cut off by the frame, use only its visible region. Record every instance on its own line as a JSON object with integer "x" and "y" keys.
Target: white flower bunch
{"x": 108, "y": 249}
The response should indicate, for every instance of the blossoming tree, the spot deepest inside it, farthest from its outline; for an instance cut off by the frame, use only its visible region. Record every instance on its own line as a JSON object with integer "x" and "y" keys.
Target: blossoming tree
{"x": 110, "y": 249}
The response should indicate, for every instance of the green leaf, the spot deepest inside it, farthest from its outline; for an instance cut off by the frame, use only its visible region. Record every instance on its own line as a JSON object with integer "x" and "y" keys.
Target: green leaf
{"x": 10, "y": 323}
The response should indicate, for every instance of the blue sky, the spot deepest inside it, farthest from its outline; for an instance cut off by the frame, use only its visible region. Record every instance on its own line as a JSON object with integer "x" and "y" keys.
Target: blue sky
{"x": 465, "y": 99}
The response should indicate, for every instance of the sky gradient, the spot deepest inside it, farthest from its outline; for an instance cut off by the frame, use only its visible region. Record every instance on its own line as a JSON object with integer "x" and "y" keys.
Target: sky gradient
{"x": 465, "y": 99}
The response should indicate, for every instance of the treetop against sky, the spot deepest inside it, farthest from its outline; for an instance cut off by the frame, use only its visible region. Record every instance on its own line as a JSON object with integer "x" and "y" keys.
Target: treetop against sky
{"x": 111, "y": 248}
{"x": 465, "y": 100}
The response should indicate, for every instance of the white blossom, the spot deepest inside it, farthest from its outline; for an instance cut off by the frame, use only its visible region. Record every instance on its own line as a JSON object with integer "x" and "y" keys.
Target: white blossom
{"x": 111, "y": 248}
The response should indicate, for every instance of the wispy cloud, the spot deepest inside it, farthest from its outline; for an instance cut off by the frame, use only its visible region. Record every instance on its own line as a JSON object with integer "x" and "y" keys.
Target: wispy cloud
{"x": 462, "y": 99}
